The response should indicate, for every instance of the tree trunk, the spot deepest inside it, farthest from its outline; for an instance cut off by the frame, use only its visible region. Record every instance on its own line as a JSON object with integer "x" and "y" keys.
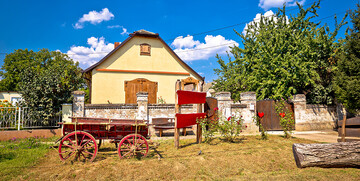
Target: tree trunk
{"x": 344, "y": 154}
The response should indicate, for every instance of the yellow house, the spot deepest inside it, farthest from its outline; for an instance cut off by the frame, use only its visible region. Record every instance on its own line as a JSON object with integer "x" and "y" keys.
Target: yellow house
{"x": 142, "y": 63}
{"x": 10, "y": 96}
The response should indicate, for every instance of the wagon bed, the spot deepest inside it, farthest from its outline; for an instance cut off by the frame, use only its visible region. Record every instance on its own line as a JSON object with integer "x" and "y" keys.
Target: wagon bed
{"x": 102, "y": 128}
{"x": 81, "y": 133}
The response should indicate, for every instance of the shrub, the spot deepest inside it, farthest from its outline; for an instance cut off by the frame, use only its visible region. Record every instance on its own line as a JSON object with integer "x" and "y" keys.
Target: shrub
{"x": 286, "y": 117}
{"x": 258, "y": 118}
{"x": 230, "y": 127}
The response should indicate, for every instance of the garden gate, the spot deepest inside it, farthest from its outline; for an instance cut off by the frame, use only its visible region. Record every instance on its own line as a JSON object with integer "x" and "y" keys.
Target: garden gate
{"x": 271, "y": 120}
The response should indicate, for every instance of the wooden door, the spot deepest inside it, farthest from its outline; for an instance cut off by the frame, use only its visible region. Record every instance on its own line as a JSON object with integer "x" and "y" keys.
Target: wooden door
{"x": 140, "y": 85}
{"x": 271, "y": 120}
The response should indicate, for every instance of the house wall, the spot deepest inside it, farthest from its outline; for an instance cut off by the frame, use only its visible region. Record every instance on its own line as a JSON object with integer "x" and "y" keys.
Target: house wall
{"x": 110, "y": 85}
{"x": 8, "y": 95}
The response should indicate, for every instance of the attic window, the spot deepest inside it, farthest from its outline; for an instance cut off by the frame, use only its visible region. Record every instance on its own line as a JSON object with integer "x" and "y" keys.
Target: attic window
{"x": 145, "y": 49}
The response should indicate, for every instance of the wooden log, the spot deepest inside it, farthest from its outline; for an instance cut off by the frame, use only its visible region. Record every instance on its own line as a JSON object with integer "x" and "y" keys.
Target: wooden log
{"x": 343, "y": 154}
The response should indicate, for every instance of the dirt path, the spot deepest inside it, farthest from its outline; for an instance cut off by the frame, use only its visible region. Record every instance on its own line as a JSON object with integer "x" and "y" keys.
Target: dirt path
{"x": 320, "y": 136}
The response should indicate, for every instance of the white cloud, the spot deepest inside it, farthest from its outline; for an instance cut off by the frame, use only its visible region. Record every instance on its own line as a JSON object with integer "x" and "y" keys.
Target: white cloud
{"x": 267, "y": 4}
{"x": 94, "y": 18}
{"x": 188, "y": 49}
{"x": 257, "y": 19}
{"x": 124, "y": 30}
{"x": 268, "y": 14}
{"x": 87, "y": 56}
{"x": 114, "y": 26}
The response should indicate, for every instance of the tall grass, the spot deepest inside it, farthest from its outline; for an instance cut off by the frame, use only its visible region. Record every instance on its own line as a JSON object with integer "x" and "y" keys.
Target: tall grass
{"x": 18, "y": 154}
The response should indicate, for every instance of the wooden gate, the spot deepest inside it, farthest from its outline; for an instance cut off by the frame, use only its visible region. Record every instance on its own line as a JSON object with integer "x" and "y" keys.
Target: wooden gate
{"x": 271, "y": 120}
{"x": 140, "y": 85}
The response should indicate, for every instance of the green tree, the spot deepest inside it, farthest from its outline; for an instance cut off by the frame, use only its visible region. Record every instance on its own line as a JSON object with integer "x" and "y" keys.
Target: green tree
{"x": 347, "y": 80}
{"x": 14, "y": 64}
{"x": 45, "y": 82}
{"x": 281, "y": 57}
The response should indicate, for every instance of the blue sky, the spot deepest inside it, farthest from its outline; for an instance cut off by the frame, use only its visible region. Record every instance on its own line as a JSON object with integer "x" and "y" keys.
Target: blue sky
{"x": 86, "y": 30}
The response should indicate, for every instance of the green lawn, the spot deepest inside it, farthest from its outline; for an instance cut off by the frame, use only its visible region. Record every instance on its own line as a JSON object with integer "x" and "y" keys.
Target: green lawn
{"x": 250, "y": 158}
{"x": 18, "y": 155}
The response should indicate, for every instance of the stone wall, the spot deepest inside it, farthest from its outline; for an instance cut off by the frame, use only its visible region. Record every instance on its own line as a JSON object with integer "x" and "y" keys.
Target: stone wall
{"x": 167, "y": 110}
{"x": 307, "y": 117}
{"x": 113, "y": 111}
{"x": 245, "y": 109}
{"x": 314, "y": 116}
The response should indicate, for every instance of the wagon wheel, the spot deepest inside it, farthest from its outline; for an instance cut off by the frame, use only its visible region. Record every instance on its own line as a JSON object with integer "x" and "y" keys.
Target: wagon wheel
{"x": 84, "y": 149}
{"x": 133, "y": 145}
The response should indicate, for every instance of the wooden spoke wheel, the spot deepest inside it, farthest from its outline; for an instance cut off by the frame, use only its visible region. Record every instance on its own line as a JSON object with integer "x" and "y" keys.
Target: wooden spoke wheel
{"x": 133, "y": 145}
{"x": 78, "y": 145}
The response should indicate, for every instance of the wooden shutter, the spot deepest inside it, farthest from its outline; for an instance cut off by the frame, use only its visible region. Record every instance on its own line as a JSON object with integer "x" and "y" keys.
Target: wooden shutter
{"x": 140, "y": 85}
{"x": 145, "y": 49}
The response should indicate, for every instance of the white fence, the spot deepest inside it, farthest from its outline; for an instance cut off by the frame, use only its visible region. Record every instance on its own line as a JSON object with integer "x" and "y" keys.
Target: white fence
{"x": 19, "y": 118}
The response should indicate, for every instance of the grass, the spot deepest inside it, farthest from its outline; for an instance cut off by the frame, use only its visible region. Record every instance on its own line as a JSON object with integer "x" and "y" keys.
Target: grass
{"x": 249, "y": 158}
{"x": 18, "y": 154}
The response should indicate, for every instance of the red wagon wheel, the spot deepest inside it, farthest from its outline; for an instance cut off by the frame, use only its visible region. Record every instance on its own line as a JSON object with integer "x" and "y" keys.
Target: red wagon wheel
{"x": 78, "y": 145}
{"x": 133, "y": 145}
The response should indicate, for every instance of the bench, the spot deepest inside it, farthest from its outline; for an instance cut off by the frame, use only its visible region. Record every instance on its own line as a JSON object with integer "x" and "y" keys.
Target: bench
{"x": 165, "y": 123}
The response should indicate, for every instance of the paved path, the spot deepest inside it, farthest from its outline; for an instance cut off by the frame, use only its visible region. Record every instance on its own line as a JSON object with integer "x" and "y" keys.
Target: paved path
{"x": 320, "y": 136}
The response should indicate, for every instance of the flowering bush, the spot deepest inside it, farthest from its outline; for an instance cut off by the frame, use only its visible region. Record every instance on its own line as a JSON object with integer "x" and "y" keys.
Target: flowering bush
{"x": 258, "y": 120}
{"x": 7, "y": 112}
{"x": 209, "y": 126}
{"x": 230, "y": 127}
{"x": 286, "y": 117}
{"x": 161, "y": 100}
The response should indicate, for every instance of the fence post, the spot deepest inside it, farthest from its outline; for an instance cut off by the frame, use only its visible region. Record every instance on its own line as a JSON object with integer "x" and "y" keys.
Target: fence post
{"x": 19, "y": 119}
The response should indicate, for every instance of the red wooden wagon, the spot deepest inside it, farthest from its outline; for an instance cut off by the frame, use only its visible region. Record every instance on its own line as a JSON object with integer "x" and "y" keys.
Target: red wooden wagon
{"x": 79, "y": 140}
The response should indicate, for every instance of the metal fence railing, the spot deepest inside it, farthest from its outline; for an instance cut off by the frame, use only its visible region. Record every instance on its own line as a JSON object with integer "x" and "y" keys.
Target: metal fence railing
{"x": 8, "y": 117}
{"x": 20, "y": 118}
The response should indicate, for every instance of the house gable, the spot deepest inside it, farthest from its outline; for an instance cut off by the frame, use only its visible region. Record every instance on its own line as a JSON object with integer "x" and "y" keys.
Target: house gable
{"x": 128, "y": 59}
{"x": 126, "y": 63}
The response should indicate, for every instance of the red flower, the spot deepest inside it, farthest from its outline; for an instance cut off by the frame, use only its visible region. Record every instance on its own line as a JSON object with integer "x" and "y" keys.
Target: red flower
{"x": 238, "y": 122}
{"x": 229, "y": 118}
{"x": 261, "y": 114}
{"x": 215, "y": 109}
{"x": 282, "y": 114}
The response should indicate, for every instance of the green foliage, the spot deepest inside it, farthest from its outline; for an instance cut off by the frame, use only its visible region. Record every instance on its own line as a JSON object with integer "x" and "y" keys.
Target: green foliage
{"x": 281, "y": 57}
{"x": 208, "y": 129}
{"x": 287, "y": 121}
{"x": 7, "y": 112}
{"x": 14, "y": 64}
{"x": 87, "y": 94}
{"x": 264, "y": 135}
{"x": 49, "y": 83}
{"x": 17, "y": 154}
{"x": 347, "y": 80}
{"x": 230, "y": 128}
{"x": 161, "y": 100}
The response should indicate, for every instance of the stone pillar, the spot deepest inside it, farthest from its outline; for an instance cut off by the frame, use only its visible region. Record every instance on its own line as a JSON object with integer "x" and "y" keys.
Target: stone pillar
{"x": 224, "y": 103}
{"x": 299, "y": 101}
{"x": 142, "y": 101}
{"x": 249, "y": 99}
{"x": 66, "y": 113}
{"x": 78, "y": 107}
